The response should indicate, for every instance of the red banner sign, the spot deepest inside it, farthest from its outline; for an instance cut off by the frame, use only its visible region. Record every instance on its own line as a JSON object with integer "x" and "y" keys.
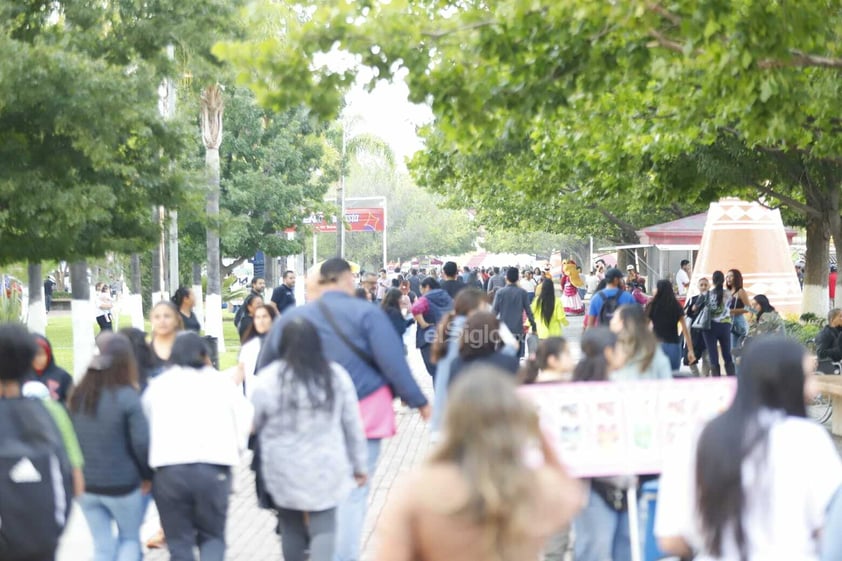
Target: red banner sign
{"x": 357, "y": 220}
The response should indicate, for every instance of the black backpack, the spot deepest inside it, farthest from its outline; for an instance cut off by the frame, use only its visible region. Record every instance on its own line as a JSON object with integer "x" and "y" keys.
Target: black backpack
{"x": 36, "y": 490}
{"x": 609, "y": 306}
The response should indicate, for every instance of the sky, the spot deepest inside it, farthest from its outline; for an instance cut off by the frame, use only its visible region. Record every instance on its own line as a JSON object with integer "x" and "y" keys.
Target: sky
{"x": 386, "y": 112}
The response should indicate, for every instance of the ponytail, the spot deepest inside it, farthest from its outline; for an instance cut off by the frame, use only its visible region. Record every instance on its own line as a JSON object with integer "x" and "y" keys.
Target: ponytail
{"x": 528, "y": 373}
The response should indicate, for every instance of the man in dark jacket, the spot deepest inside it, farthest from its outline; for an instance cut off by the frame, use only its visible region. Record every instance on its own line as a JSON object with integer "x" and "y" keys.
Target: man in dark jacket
{"x": 360, "y": 338}
{"x": 510, "y": 303}
{"x": 284, "y": 295}
{"x": 433, "y": 304}
{"x": 829, "y": 341}
{"x": 452, "y": 282}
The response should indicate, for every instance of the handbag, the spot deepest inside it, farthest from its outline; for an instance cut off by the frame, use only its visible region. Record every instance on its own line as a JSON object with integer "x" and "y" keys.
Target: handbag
{"x": 702, "y": 320}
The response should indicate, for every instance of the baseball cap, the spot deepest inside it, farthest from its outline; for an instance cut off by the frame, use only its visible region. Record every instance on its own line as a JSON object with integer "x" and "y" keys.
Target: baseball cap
{"x": 629, "y": 267}
{"x": 613, "y": 274}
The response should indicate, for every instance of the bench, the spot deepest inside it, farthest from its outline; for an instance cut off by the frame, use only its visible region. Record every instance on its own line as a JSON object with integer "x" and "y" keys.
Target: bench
{"x": 60, "y": 304}
{"x": 831, "y": 386}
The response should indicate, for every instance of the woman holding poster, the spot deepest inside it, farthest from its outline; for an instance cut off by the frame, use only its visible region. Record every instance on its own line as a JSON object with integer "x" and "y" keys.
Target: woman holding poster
{"x": 757, "y": 481}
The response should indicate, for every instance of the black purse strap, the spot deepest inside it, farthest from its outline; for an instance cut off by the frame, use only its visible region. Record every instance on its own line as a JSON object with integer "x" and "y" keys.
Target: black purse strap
{"x": 345, "y": 339}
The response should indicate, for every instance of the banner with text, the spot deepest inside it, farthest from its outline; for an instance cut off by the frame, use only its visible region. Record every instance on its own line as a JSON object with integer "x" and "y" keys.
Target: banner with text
{"x": 625, "y": 428}
{"x": 357, "y": 220}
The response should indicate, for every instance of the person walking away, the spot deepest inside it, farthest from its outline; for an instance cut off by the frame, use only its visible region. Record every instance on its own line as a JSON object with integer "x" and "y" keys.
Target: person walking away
{"x": 114, "y": 436}
{"x": 104, "y": 304}
{"x": 166, "y": 324}
{"x": 644, "y": 358}
{"x": 360, "y": 338}
{"x": 719, "y": 328}
{"x": 446, "y": 347}
{"x": 476, "y": 499}
{"x": 548, "y": 312}
{"x": 250, "y": 305}
{"x": 313, "y": 447}
{"x": 49, "y": 286}
{"x": 58, "y": 381}
{"x": 414, "y": 281}
{"x": 392, "y": 306}
{"x": 510, "y": 303}
{"x": 496, "y": 281}
{"x": 829, "y": 342}
{"x": 747, "y": 487}
{"x": 692, "y": 309}
{"x": 142, "y": 355}
{"x": 667, "y": 316}
{"x": 481, "y": 344}
{"x": 199, "y": 423}
{"x": 264, "y": 317}
{"x": 739, "y": 305}
{"x": 37, "y": 487}
{"x": 433, "y": 304}
{"x": 284, "y": 295}
{"x": 185, "y": 302}
{"x": 452, "y": 283}
{"x": 605, "y": 302}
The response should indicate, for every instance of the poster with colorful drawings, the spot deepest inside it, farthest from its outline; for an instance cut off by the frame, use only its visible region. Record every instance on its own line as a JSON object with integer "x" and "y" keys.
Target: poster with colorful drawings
{"x": 624, "y": 428}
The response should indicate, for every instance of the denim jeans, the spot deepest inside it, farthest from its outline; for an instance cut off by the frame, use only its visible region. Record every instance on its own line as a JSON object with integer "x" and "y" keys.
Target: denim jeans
{"x": 741, "y": 322}
{"x": 315, "y": 540}
{"x": 127, "y": 512}
{"x": 600, "y": 532}
{"x": 719, "y": 333}
{"x": 350, "y": 515}
{"x": 673, "y": 352}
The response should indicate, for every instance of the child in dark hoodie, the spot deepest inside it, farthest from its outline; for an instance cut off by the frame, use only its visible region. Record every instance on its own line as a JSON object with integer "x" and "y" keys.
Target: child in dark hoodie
{"x": 46, "y": 371}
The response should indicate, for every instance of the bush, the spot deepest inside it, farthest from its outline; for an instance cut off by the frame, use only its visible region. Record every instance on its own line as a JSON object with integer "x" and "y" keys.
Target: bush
{"x": 61, "y": 294}
{"x": 10, "y": 306}
{"x": 802, "y": 332}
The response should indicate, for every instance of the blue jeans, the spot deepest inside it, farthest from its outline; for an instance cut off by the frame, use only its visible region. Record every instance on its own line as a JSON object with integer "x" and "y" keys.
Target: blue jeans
{"x": 740, "y": 322}
{"x": 350, "y": 515}
{"x": 719, "y": 333}
{"x": 127, "y": 511}
{"x": 601, "y": 533}
{"x": 673, "y": 352}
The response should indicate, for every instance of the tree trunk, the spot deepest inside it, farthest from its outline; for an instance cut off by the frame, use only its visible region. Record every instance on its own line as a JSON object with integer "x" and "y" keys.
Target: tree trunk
{"x": 212, "y": 110}
{"x": 135, "y": 297}
{"x": 36, "y": 318}
{"x": 199, "y": 307}
{"x": 157, "y": 261}
{"x": 82, "y": 313}
{"x": 270, "y": 273}
{"x": 815, "y": 297}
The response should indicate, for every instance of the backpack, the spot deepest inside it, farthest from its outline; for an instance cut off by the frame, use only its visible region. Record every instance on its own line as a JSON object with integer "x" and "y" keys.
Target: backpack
{"x": 35, "y": 481}
{"x": 609, "y": 306}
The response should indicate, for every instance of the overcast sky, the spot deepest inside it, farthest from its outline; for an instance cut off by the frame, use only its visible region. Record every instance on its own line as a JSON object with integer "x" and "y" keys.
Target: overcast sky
{"x": 386, "y": 112}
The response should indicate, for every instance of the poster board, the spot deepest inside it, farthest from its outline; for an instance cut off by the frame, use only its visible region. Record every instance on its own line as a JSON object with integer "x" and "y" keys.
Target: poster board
{"x": 603, "y": 429}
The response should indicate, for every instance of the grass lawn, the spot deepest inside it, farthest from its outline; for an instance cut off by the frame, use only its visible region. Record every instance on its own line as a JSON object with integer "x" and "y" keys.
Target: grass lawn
{"x": 60, "y": 334}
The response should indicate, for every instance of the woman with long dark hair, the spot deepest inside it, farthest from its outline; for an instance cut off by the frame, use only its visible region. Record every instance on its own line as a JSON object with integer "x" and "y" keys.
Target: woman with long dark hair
{"x": 548, "y": 311}
{"x": 666, "y": 315}
{"x": 311, "y": 439}
{"x": 482, "y": 343}
{"x": 756, "y": 483}
{"x": 184, "y": 301}
{"x": 478, "y": 497}
{"x": 114, "y": 435}
{"x": 391, "y": 304}
{"x": 739, "y": 306}
{"x": 261, "y": 323}
{"x": 719, "y": 330}
{"x": 250, "y": 305}
{"x": 767, "y": 320}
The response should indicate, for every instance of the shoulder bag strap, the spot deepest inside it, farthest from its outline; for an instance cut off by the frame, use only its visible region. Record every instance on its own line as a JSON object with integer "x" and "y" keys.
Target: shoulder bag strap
{"x": 345, "y": 339}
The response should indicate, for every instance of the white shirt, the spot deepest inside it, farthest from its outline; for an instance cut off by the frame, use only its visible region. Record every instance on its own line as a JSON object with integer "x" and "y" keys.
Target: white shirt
{"x": 196, "y": 416}
{"x": 103, "y": 303}
{"x": 682, "y": 279}
{"x": 787, "y": 493}
{"x": 249, "y": 354}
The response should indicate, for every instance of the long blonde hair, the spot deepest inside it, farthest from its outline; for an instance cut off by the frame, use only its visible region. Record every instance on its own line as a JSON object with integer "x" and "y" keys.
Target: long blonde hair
{"x": 488, "y": 428}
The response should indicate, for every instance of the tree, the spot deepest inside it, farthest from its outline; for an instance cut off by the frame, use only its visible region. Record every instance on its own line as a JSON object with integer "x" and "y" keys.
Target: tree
{"x": 602, "y": 91}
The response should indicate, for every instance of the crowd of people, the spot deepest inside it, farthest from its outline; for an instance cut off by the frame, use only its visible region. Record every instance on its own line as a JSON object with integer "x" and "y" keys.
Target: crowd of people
{"x": 312, "y": 398}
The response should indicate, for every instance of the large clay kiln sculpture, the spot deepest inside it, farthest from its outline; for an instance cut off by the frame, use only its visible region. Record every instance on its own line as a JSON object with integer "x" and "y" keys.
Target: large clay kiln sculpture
{"x": 751, "y": 238}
